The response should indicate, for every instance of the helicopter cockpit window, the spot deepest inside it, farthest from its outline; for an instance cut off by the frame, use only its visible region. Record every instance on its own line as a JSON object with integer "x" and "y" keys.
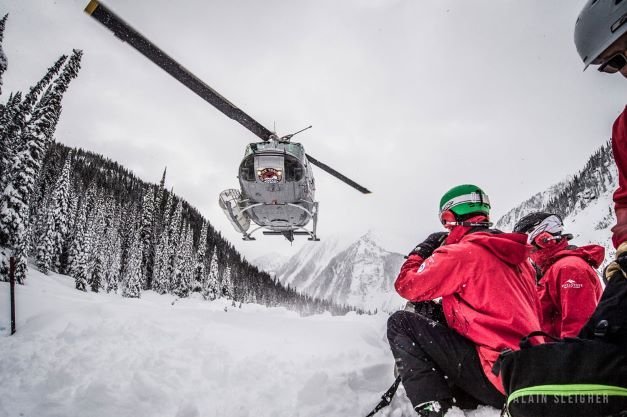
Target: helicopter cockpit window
{"x": 250, "y": 149}
{"x": 295, "y": 149}
{"x": 293, "y": 169}
{"x": 247, "y": 168}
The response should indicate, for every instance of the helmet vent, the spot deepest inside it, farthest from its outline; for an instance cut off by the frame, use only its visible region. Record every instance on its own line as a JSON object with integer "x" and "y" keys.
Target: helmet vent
{"x": 620, "y": 22}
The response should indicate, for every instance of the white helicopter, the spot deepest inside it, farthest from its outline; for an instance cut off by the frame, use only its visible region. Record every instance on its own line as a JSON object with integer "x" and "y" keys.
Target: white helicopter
{"x": 276, "y": 179}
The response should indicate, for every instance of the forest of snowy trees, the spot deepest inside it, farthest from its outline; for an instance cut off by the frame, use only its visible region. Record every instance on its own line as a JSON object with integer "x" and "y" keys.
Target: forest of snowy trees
{"x": 80, "y": 214}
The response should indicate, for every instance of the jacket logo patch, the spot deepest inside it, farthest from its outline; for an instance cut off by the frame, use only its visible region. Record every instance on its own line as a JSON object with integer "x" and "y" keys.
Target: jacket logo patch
{"x": 422, "y": 267}
{"x": 571, "y": 284}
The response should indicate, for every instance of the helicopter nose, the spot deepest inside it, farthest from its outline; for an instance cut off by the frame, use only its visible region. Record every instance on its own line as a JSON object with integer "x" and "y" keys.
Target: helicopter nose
{"x": 270, "y": 175}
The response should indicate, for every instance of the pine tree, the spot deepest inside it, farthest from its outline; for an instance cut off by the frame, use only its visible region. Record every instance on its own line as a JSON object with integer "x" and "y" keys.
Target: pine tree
{"x": 27, "y": 161}
{"x": 62, "y": 264}
{"x": 76, "y": 244}
{"x": 15, "y": 123}
{"x": 210, "y": 284}
{"x": 227, "y": 283}
{"x": 146, "y": 236}
{"x": 96, "y": 275}
{"x": 174, "y": 238}
{"x": 132, "y": 276}
{"x": 82, "y": 254}
{"x": 184, "y": 270}
{"x": 3, "y": 57}
{"x": 160, "y": 270}
{"x": 6, "y": 149}
{"x": 56, "y": 218}
{"x": 200, "y": 268}
{"x": 113, "y": 249}
{"x": 50, "y": 104}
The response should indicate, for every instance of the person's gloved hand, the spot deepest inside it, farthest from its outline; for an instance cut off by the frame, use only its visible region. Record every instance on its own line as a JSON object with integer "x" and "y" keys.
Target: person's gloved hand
{"x": 619, "y": 266}
{"x": 431, "y": 243}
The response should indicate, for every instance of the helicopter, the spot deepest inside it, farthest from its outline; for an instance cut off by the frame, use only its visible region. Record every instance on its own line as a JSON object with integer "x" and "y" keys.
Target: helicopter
{"x": 276, "y": 179}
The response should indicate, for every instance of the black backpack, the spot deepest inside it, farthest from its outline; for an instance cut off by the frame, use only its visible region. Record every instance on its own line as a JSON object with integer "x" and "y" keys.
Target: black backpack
{"x": 573, "y": 377}
{"x": 609, "y": 320}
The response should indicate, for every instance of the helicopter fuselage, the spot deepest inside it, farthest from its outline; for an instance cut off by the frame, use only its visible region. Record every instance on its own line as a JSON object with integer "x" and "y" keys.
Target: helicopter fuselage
{"x": 277, "y": 188}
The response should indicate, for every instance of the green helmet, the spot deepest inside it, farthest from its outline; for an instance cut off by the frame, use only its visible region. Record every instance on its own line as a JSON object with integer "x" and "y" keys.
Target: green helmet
{"x": 465, "y": 199}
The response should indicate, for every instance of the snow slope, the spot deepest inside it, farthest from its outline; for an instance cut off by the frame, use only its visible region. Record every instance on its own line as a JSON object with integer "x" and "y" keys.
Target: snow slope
{"x": 584, "y": 200}
{"x": 102, "y": 355}
{"x": 270, "y": 262}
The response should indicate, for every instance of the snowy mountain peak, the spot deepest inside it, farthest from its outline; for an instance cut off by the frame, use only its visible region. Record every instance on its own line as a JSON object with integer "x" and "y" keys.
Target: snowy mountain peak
{"x": 584, "y": 201}
{"x": 359, "y": 273}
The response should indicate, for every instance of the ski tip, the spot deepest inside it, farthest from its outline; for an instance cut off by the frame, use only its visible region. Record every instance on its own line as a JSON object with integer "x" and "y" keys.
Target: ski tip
{"x": 92, "y": 6}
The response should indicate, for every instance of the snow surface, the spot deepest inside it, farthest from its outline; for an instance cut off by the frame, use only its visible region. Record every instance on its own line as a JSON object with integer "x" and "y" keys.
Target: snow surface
{"x": 103, "y": 355}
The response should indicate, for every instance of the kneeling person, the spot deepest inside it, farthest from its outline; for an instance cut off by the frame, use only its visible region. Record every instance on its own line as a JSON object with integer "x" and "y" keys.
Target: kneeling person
{"x": 489, "y": 300}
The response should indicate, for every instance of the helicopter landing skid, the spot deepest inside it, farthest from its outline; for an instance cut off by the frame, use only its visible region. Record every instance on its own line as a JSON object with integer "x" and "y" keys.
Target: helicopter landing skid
{"x": 314, "y": 216}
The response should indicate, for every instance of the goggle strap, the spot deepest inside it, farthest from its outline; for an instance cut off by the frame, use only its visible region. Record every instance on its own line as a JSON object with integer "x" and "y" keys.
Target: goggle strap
{"x": 470, "y": 224}
{"x": 466, "y": 198}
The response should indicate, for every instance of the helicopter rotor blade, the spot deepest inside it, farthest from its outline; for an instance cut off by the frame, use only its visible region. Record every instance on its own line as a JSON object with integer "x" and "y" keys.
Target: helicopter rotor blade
{"x": 126, "y": 33}
{"x": 337, "y": 175}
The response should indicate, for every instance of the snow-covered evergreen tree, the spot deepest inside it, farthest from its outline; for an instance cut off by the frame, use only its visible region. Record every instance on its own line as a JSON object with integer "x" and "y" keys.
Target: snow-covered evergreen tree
{"x": 76, "y": 242}
{"x": 162, "y": 252}
{"x": 15, "y": 123}
{"x": 55, "y": 214}
{"x": 211, "y": 282}
{"x": 26, "y": 164}
{"x": 9, "y": 111}
{"x": 200, "y": 268}
{"x": 81, "y": 253}
{"x": 97, "y": 228}
{"x": 132, "y": 274}
{"x": 146, "y": 236}
{"x": 3, "y": 57}
{"x": 113, "y": 247}
{"x": 227, "y": 283}
{"x": 62, "y": 262}
{"x": 184, "y": 269}
{"x": 175, "y": 237}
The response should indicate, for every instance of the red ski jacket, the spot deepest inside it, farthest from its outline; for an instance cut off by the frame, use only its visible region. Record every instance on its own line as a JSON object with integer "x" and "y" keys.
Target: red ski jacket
{"x": 488, "y": 291}
{"x": 619, "y": 148}
{"x": 569, "y": 289}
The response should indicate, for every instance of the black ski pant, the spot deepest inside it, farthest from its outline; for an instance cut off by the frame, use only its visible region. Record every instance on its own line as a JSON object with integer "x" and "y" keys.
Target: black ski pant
{"x": 437, "y": 363}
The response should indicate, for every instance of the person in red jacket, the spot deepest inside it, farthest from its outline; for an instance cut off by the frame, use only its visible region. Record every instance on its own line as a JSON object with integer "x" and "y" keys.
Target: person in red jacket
{"x": 568, "y": 287}
{"x": 487, "y": 286}
{"x": 601, "y": 40}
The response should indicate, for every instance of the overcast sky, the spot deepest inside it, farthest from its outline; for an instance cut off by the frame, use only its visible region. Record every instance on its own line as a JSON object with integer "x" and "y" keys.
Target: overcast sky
{"x": 407, "y": 97}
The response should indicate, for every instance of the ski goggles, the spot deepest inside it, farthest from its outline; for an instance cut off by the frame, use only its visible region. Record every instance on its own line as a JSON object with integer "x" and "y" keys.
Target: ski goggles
{"x": 552, "y": 224}
{"x": 614, "y": 64}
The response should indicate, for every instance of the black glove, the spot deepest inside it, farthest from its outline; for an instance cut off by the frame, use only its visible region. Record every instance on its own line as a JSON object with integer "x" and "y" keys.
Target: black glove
{"x": 429, "y": 309}
{"x": 431, "y": 243}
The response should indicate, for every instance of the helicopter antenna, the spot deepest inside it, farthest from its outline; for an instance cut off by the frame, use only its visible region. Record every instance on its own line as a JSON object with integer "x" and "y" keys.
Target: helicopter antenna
{"x": 287, "y": 138}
